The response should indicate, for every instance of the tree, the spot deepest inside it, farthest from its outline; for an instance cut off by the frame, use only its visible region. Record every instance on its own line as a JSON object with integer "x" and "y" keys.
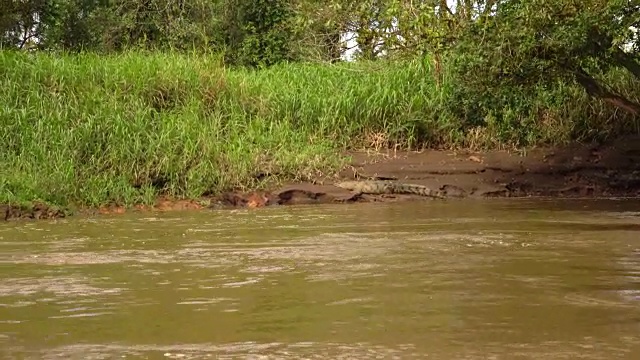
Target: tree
{"x": 259, "y": 32}
{"x": 533, "y": 42}
{"x": 22, "y": 23}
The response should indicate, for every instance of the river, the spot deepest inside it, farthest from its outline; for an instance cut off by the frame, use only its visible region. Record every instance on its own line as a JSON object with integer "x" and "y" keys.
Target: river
{"x": 486, "y": 279}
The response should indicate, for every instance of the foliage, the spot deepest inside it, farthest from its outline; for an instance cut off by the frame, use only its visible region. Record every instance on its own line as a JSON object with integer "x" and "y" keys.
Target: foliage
{"x": 21, "y": 22}
{"x": 260, "y": 32}
{"x": 148, "y": 106}
{"x": 503, "y": 60}
{"x": 90, "y": 129}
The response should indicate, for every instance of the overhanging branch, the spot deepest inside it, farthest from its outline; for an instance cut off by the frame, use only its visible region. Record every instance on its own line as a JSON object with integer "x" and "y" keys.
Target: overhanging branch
{"x": 594, "y": 89}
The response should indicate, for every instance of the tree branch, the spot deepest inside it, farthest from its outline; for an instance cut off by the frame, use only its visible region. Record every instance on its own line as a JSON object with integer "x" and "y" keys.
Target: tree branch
{"x": 594, "y": 89}
{"x": 626, "y": 60}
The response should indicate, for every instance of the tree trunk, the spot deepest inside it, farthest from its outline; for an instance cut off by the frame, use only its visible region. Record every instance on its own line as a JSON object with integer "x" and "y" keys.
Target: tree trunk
{"x": 594, "y": 89}
{"x": 628, "y": 61}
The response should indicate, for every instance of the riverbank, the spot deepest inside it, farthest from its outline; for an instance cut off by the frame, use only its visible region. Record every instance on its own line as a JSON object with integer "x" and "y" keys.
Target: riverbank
{"x": 611, "y": 170}
{"x": 138, "y": 129}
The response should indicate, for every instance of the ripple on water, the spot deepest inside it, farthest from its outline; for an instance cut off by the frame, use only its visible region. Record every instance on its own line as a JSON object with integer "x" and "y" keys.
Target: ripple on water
{"x": 67, "y": 286}
{"x": 91, "y": 257}
{"x": 73, "y": 294}
{"x": 587, "y": 348}
{"x": 244, "y": 350}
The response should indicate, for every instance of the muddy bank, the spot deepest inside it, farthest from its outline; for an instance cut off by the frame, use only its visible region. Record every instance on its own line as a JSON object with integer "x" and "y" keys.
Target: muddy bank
{"x": 611, "y": 170}
{"x": 34, "y": 211}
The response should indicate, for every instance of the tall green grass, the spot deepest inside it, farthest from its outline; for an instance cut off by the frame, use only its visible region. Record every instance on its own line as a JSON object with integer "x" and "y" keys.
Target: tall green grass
{"x": 88, "y": 129}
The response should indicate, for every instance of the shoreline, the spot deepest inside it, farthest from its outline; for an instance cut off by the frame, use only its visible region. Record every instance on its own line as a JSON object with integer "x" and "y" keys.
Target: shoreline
{"x": 128, "y": 128}
{"x": 576, "y": 171}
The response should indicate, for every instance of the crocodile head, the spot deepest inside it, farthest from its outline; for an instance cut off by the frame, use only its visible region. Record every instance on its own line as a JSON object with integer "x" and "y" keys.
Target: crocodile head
{"x": 349, "y": 185}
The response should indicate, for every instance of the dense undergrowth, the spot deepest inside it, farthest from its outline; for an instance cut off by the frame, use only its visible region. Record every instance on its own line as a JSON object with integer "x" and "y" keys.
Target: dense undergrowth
{"x": 89, "y": 129}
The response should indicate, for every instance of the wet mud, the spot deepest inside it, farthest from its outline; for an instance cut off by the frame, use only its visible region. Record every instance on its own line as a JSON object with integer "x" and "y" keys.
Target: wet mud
{"x": 35, "y": 211}
{"x": 583, "y": 170}
{"x": 579, "y": 170}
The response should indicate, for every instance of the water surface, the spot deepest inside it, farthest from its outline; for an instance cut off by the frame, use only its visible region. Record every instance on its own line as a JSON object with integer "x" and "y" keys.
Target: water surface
{"x": 499, "y": 279}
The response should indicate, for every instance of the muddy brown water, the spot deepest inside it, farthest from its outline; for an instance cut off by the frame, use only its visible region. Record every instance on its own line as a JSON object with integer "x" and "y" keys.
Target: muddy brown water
{"x": 499, "y": 279}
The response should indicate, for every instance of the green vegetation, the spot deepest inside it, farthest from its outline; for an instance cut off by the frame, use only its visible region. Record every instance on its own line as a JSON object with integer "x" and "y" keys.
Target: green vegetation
{"x": 123, "y": 101}
{"x": 91, "y": 129}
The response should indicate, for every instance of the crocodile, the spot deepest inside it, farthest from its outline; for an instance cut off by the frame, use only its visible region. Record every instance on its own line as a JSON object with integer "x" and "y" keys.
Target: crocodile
{"x": 387, "y": 187}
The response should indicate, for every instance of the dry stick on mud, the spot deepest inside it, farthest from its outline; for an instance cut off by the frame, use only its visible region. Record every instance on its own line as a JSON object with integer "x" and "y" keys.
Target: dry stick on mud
{"x": 387, "y": 187}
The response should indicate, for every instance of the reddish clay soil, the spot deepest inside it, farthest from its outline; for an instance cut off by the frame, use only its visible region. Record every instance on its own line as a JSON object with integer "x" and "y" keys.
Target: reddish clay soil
{"x": 611, "y": 170}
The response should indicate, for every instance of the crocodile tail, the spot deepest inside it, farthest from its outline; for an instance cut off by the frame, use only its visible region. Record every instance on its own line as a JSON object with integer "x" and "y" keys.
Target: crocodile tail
{"x": 425, "y": 191}
{"x": 412, "y": 189}
{"x": 436, "y": 194}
